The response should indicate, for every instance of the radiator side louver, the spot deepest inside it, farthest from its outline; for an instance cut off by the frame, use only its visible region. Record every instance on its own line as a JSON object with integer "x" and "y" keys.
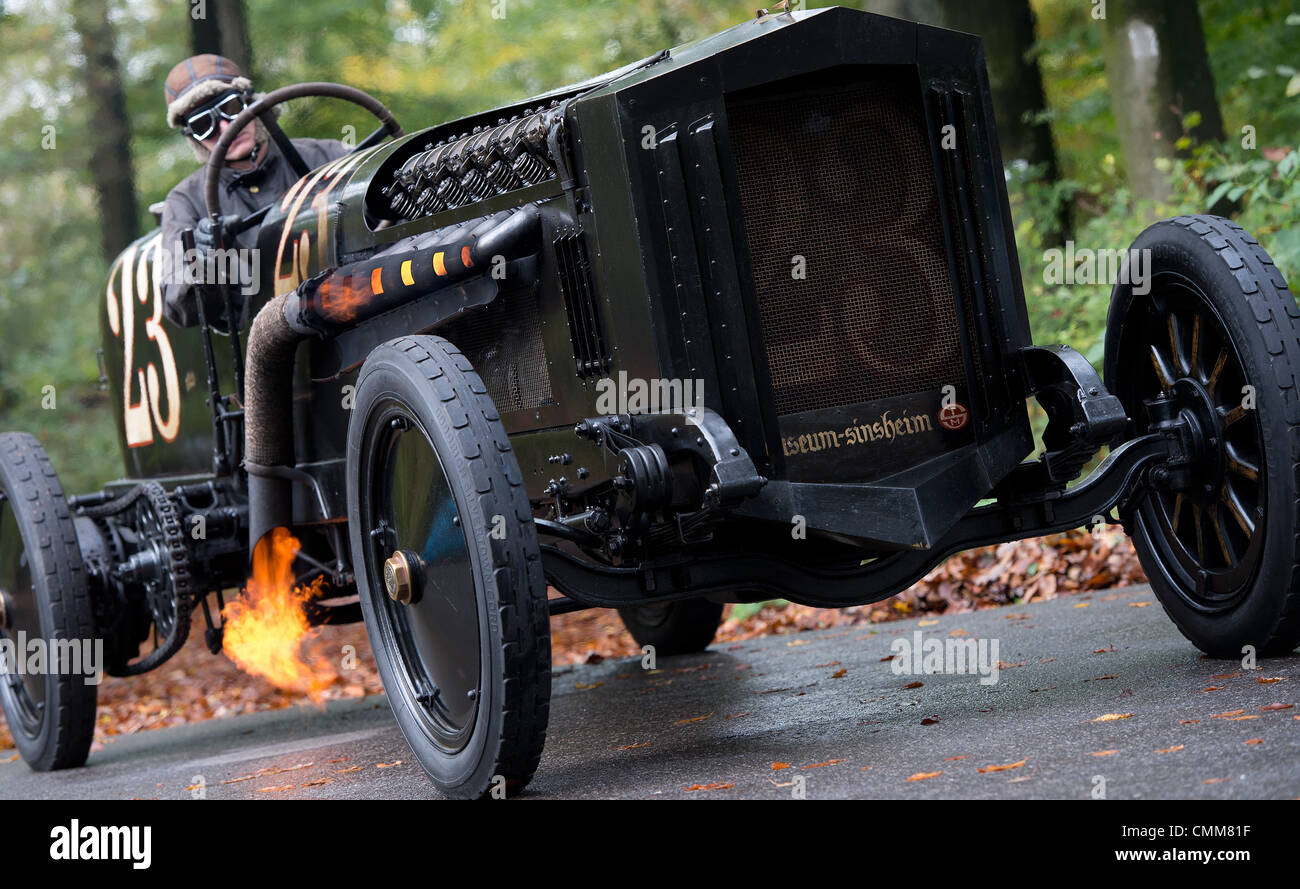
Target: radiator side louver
{"x": 591, "y": 355}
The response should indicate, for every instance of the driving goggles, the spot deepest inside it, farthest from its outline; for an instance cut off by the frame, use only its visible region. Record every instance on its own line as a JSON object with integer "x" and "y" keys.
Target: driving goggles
{"x": 201, "y": 124}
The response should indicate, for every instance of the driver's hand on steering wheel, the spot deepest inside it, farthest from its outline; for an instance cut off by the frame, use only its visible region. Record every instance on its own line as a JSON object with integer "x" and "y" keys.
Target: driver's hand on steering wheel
{"x": 205, "y": 235}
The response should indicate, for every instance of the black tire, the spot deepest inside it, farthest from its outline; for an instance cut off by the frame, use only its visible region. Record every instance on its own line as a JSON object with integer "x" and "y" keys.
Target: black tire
{"x": 427, "y": 455}
{"x": 686, "y": 626}
{"x": 52, "y": 715}
{"x": 1222, "y": 552}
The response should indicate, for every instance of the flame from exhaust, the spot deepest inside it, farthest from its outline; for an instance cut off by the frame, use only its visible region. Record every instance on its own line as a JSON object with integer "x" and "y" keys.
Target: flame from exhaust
{"x": 265, "y": 627}
{"x": 341, "y": 299}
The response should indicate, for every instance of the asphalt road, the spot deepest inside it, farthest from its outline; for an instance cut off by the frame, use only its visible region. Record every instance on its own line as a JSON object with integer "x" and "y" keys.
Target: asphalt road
{"x": 825, "y": 703}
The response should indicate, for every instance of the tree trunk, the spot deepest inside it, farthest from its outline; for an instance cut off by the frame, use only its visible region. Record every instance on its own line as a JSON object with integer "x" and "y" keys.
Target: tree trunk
{"x": 110, "y": 127}
{"x": 1158, "y": 70}
{"x": 1007, "y": 30}
{"x": 220, "y": 26}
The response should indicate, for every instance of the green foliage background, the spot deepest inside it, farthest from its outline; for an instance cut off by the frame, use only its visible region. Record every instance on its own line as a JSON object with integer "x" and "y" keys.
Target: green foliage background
{"x": 432, "y": 60}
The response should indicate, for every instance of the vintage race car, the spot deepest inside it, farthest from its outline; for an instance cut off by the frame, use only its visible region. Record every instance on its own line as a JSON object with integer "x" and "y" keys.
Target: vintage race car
{"x": 742, "y": 320}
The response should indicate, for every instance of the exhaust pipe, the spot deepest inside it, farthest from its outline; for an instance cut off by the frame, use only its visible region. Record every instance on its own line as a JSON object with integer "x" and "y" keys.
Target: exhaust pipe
{"x": 325, "y": 306}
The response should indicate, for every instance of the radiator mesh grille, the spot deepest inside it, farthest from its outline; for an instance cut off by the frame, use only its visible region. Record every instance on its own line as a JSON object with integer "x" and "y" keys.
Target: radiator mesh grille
{"x": 503, "y": 341}
{"x": 841, "y": 176}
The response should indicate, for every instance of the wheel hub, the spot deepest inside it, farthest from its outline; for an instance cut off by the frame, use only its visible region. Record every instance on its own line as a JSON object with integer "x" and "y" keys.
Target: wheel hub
{"x": 1201, "y": 477}
{"x": 399, "y": 577}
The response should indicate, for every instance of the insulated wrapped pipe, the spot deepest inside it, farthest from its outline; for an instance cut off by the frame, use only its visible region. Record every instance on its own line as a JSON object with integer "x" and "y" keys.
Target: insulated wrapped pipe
{"x": 268, "y": 417}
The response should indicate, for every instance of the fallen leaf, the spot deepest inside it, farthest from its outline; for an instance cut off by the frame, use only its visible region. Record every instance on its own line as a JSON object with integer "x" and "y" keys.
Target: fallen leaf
{"x": 889, "y": 657}
{"x": 924, "y": 776}
{"x": 240, "y": 778}
{"x": 1213, "y": 688}
{"x": 1240, "y": 718}
{"x": 318, "y": 782}
{"x": 587, "y": 686}
{"x": 1264, "y": 680}
{"x": 840, "y": 673}
{"x": 1005, "y": 768}
{"x": 737, "y": 715}
{"x": 349, "y": 769}
{"x": 828, "y": 664}
{"x": 818, "y": 765}
{"x": 1253, "y": 741}
{"x": 1082, "y": 604}
{"x": 963, "y": 756}
{"x": 1138, "y": 604}
{"x": 959, "y": 632}
{"x": 1227, "y": 713}
{"x": 716, "y": 785}
{"x": 1214, "y": 780}
{"x": 929, "y": 720}
{"x": 1111, "y": 717}
{"x": 1277, "y": 706}
{"x": 693, "y": 719}
{"x": 637, "y": 746}
{"x": 276, "y": 789}
{"x": 795, "y": 642}
{"x": 1188, "y": 721}
{"x": 387, "y": 765}
{"x": 916, "y": 684}
{"x": 927, "y": 623}
{"x": 777, "y": 766}
{"x": 1173, "y": 749}
{"x": 1099, "y": 678}
{"x": 1227, "y": 675}
{"x": 1104, "y": 753}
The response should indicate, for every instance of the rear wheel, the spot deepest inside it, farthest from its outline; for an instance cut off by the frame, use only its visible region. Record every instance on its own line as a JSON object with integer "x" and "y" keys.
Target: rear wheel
{"x": 50, "y": 712}
{"x": 448, "y": 568}
{"x": 1219, "y": 333}
{"x": 686, "y": 626}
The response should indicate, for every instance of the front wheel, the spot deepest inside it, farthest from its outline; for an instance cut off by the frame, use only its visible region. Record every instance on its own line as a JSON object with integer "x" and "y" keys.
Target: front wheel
{"x": 448, "y": 568}
{"x": 1218, "y": 332}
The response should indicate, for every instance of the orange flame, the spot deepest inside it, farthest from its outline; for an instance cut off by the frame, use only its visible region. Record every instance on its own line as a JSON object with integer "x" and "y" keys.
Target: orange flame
{"x": 341, "y": 298}
{"x": 266, "y": 627}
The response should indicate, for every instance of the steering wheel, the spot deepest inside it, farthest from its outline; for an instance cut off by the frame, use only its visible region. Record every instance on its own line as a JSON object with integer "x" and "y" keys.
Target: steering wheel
{"x": 262, "y": 107}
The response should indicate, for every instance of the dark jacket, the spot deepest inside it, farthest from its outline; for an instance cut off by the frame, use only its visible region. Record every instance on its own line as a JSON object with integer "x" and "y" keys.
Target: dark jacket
{"x": 241, "y": 193}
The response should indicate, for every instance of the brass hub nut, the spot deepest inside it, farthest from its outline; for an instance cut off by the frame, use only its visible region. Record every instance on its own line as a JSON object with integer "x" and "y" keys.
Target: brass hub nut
{"x": 397, "y": 578}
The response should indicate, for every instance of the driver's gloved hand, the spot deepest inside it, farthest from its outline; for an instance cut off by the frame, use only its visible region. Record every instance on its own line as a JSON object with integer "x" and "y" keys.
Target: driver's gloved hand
{"x": 205, "y": 235}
